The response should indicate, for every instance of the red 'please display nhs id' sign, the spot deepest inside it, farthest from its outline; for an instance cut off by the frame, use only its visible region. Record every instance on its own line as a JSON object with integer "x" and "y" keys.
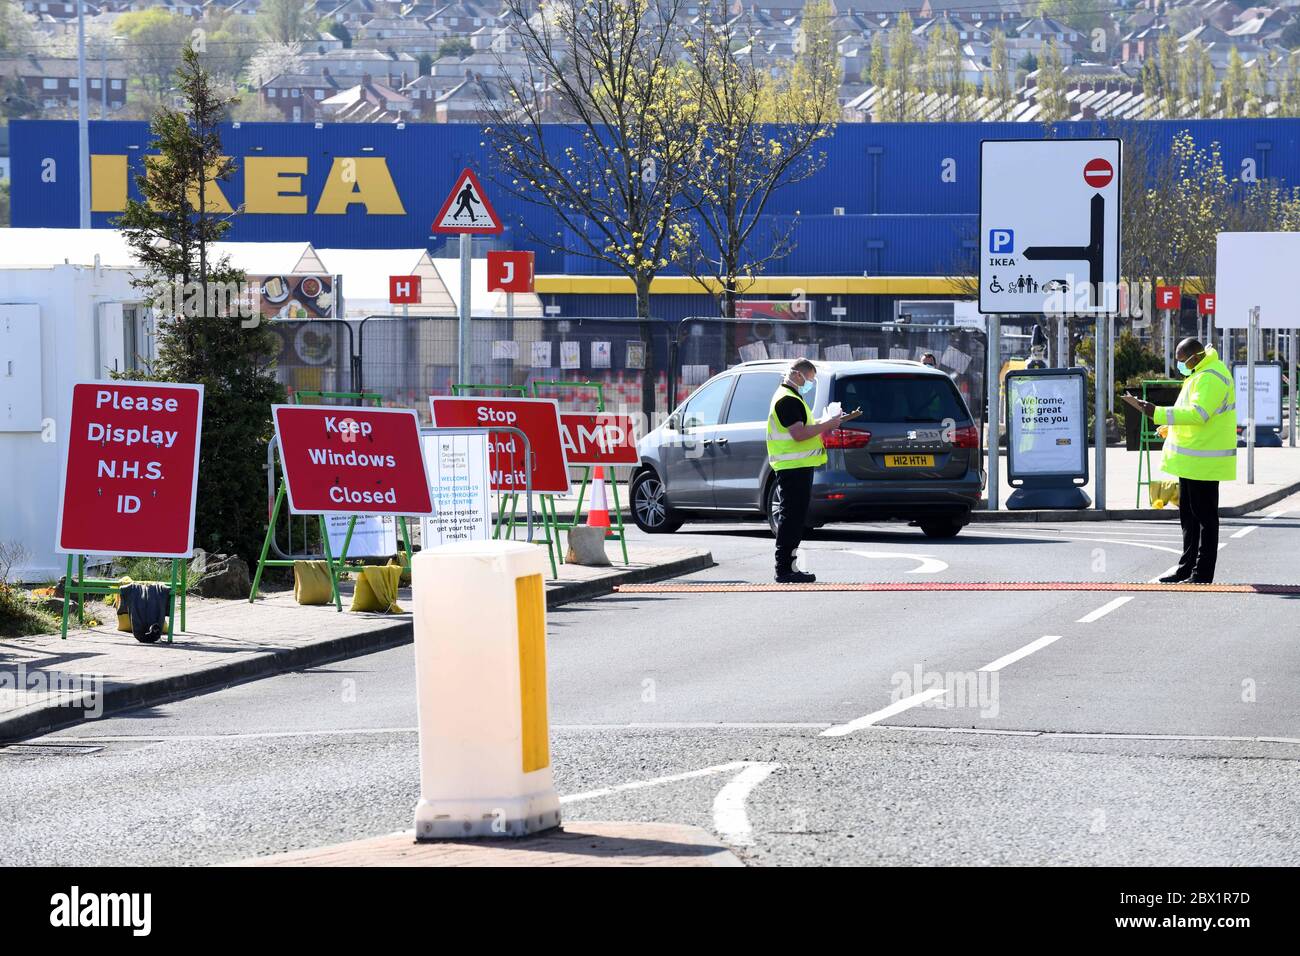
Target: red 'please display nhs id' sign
{"x": 131, "y": 471}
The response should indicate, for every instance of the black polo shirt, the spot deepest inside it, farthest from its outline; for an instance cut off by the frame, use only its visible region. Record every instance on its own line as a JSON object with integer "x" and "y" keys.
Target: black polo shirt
{"x": 790, "y": 408}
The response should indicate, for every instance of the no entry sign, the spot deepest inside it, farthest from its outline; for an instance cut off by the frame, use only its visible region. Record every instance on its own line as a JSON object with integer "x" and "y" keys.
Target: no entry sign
{"x": 538, "y": 418}
{"x": 131, "y": 470}
{"x": 599, "y": 438}
{"x": 352, "y": 460}
{"x": 1098, "y": 173}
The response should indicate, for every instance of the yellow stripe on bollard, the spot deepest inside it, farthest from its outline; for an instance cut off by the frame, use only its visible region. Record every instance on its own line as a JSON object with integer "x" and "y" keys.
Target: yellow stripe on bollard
{"x": 530, "y": 605}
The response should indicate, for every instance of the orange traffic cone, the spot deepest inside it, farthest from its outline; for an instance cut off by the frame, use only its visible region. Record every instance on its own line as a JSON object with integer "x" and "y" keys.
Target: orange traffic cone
{"x": 598, "y": 511}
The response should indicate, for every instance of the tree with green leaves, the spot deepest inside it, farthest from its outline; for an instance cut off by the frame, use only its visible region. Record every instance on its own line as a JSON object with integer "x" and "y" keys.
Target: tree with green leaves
{"x": 879, "y": 71}
{"x": 1167, "y": 53}
{"x": 154, "y": 39}
{"x": 1234, "y": 86}
{"x": 999, "y": 77}
{"x": 615, "y": 175}
{"x": 1257, "y": 87}
{"x": 202, "y": 336}
{"x": 902, "y": 70}
{"x": 761, "y": 134}
{"x": 285, "y": 21}
{"x": 1052, "y": 102}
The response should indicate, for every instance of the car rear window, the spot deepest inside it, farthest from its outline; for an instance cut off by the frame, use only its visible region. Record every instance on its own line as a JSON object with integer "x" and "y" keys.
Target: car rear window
{"x": 901, "y": 397}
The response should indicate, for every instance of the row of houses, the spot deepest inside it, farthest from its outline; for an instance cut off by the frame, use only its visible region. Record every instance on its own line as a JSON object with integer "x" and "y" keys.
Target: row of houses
{"x": 395, "y": 70}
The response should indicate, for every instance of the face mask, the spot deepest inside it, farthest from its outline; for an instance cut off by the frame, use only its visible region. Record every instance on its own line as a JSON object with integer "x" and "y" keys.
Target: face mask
{"x": 806, "y": 388}
{"x": 1183, "y": 370}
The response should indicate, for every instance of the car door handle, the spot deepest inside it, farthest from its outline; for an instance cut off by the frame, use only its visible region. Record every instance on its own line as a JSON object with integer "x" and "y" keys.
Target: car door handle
{"x": 707, "y": 442}
{"x": 722, "y": 441}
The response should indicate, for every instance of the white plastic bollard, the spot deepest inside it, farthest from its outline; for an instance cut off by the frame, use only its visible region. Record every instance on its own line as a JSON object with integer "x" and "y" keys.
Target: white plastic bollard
{"x": 480, "y": 667}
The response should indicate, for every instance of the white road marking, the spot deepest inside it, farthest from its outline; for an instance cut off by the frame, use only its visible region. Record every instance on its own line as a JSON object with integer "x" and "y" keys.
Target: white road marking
{"x": 1244, "y": 531}
{"x": 730, "y": 821}
{"x": 1276, "y": 514}
{"x": 1212, "y": 738}
{"x": 1062, "y": 537}
{"x": 656, "y": 781}
{"x": 1163, "y": 574}
{"x": 1025, "y": 651}
{"x": 897, "y": 707}
{"x": 928, "y": 565}
{"x": 1104, "y": 610}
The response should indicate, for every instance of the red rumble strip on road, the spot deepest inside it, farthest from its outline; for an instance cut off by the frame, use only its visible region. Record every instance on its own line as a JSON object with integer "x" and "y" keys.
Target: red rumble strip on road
{"x": 686, "y": 588}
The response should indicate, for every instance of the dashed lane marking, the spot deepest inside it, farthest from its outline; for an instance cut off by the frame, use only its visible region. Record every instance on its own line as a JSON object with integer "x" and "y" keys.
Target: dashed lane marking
{"x": 1104, "y": 610}
{"x": 1025, "y": 651}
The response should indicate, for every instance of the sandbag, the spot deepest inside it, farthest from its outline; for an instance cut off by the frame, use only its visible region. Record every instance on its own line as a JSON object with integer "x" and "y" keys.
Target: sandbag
{"x": 403, "y": 561}
{"x": 311, "y": 582}
{"x": 377, "y": 589}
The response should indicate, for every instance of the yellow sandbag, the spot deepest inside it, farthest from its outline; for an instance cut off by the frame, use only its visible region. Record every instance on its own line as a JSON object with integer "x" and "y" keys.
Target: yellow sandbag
{"x": 377, "y": 589}
{"x": 311, "y": 582}
{"x": 1164, "y": 494}
{"x": 402, "y": 561}
{"x": 115, "y": 600}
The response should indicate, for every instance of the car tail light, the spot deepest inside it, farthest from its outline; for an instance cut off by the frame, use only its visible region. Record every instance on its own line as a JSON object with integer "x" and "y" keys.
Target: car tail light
{"x": 846, "y": 438}
{"x": 967, "y": 436}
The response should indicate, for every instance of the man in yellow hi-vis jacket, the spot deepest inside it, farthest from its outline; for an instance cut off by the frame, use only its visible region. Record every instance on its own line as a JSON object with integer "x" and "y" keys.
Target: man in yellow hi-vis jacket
{"x": 1201, "y": 449}
{"x": 794, "y": 449}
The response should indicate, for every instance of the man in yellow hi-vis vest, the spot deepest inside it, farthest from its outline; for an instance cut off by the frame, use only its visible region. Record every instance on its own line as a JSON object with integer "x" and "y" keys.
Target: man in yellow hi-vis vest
{"x": 794, "y": 449}
{"x": 1201, "y": 449}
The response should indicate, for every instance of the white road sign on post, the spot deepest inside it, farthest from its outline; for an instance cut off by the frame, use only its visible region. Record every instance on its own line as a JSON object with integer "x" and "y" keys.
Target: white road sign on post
{"x": 1049, "y": 226}
{"x": 468, "y": 212}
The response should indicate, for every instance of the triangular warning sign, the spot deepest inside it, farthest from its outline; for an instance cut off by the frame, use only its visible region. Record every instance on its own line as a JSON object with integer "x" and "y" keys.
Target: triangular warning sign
{"x": 467, "y": 209}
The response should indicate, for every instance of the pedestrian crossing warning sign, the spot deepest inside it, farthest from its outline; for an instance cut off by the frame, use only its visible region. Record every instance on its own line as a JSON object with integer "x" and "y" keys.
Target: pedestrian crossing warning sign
{"x": 467, "y": 209}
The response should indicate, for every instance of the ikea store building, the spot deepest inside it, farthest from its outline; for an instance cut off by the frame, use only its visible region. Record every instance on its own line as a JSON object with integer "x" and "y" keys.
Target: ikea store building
{"x": 892, "y": 213}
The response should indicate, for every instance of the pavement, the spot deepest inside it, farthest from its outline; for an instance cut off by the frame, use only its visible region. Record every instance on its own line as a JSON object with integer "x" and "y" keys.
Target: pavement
{"x": 573, "y": 844}
{"x": 46, "y": 682}
{"x": 937, "y": 727}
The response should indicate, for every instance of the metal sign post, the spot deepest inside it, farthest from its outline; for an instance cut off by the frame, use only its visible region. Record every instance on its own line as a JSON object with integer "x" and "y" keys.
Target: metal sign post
{"x": 1290, "y": 351}
{"x": 993, "y": 391}
{"x": 1249, "y": 423}
{"x": 466, "y": 212}
{"x": 463, "y": 365}
{"x": 1101, "y": 345}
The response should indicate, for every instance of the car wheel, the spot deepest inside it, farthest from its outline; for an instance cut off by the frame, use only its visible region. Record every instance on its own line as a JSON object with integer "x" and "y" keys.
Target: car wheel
{"x": 773, "y": 505}
{"x": 650, "y": 510}
{"x": 948, "y": 528}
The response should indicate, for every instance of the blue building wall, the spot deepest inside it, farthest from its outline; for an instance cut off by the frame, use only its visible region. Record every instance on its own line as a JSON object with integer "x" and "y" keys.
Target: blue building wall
{"x": 901, "y": 216}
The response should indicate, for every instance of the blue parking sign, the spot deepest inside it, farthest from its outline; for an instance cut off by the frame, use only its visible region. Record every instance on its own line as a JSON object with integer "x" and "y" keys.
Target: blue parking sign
{"x": 1002, "y": 240}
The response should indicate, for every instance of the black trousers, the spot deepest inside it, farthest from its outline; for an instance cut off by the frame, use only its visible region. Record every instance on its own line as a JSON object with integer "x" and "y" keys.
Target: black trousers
{"x": 1198, "y": 510}
{"x": 796, "y": 494}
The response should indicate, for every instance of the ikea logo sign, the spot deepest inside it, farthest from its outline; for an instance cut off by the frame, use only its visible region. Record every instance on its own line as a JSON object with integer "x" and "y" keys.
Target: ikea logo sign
{"x": 273, "y": 185}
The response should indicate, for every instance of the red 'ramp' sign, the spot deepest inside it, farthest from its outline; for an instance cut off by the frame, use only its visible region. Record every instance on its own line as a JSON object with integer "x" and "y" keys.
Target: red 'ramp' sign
{"x": 538, "y": 418}
{"x": 131, "y": 470}
{"x": 350, "y": 460}
{"x": 599, "y": 438}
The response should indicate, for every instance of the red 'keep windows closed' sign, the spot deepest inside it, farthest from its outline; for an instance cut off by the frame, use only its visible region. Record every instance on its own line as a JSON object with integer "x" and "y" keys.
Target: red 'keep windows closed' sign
{"x": 131, "y": 471}
{"x": 352, "y": 460}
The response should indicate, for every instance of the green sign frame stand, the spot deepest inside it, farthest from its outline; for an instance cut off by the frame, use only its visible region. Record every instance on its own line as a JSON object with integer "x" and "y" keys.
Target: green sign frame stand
{"x": 337, "y": 568}
{"x": 617, "y": 531}
{"x": 1147, "y": 437}
{"x": 83, "y": 586}
{"x": 550, "y": 523}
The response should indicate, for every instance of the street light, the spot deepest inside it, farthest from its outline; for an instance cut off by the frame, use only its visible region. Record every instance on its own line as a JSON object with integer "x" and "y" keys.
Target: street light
{"x": 83, "y": 127}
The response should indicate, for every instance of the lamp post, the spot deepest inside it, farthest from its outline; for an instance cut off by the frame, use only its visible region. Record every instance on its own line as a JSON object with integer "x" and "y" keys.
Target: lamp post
{"x": 83, "y": 126}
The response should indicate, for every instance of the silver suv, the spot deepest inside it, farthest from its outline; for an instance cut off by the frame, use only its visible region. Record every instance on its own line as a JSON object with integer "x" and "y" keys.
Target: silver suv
{"x": 914, "y": 455}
